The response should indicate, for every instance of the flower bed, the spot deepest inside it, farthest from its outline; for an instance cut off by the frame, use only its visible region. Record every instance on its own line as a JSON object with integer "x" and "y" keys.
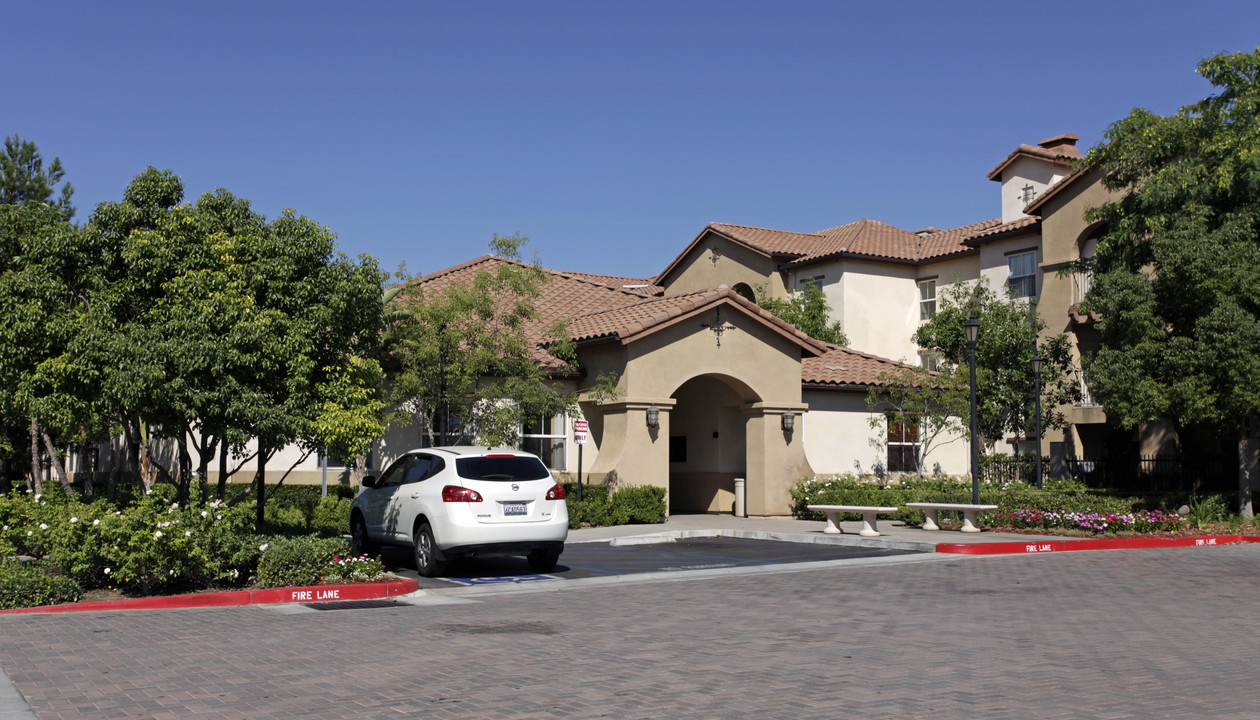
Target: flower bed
{"x": 1141, "y": 521}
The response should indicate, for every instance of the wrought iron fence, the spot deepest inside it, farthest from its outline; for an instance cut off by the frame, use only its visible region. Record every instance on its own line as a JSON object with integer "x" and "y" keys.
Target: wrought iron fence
{"x": 1155, "y": 473}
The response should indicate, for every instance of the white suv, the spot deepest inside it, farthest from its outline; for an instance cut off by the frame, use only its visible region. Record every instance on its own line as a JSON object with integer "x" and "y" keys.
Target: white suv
{"x": 463, "y": 501}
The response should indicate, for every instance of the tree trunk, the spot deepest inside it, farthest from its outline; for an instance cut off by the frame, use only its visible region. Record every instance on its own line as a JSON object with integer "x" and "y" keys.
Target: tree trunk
{"x": 146, "y": 480}
{"x": 260, "y": 481}
{"x": 205, "y": 453}
{"x": 115, "y": 472}
{"x": 1248, "y": 459}
{"x": 37, "y": 482}
{"x": 58, "y": 467}
{"x": 223, "y": 473}
{"x": 184, "y": 471}
{"x": 85, "y": 455}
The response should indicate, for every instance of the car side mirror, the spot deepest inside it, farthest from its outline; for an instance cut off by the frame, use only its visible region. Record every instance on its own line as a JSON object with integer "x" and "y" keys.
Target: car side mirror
{"x": 369, "y": 481}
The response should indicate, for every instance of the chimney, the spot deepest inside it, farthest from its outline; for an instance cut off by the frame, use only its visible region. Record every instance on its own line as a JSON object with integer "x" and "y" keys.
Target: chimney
{"x": 1063, "y": 144}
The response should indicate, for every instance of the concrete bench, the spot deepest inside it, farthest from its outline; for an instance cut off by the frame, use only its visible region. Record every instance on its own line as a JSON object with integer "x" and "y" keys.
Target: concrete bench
{"x": 970, "y": 513}
{"x": 868, "y": 517}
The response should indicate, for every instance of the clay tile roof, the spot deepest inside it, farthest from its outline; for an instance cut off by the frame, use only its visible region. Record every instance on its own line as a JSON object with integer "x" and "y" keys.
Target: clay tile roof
{"x": 866, "y": 237}
{"x": 772, "y": 242}
{"x": 842, "y": 367}
{"x": 645, "y": 287}
{"x": 563, "y": 296}
{"x": 631, "y": 321}
{"x": 1060, "y": 150}
{"x": 1001, "y": 228}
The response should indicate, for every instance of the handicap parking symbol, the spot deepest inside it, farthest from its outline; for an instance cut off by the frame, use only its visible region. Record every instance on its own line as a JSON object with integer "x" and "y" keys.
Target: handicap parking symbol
{"x": 501, "y": 580}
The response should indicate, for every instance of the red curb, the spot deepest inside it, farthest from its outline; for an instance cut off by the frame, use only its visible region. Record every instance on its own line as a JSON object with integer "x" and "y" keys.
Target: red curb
{"x": 314, "y": 593}
{"x": 1040, "y": 546}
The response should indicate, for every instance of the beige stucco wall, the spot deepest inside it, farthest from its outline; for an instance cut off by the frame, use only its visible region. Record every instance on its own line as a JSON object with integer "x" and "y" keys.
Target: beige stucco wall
{"x": 877, "y": 304}
{"x": 751, "y": 379}
{"x": 839, "y": 438}
{"x": 735, "y": 264}
{"x": 1024, "y": 171}
{"x": 993, "y": 259}
{"x": 1063, "y": 228}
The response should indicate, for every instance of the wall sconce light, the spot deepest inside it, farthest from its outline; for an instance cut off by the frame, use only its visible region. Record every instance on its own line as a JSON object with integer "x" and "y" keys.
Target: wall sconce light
{"x": 788, "y": 421}
{"x": 653, "y": 416}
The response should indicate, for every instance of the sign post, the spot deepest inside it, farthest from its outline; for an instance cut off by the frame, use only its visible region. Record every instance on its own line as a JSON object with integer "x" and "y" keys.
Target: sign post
{"x": 580, "y": 433}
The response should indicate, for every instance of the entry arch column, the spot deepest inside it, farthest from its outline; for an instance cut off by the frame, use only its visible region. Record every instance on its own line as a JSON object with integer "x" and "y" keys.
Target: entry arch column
{"x": 775, "y": 456}
{"x": 632, "y": 452}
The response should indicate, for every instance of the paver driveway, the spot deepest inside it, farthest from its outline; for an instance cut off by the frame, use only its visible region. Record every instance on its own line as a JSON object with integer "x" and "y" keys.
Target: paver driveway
{"x": 1114, "y": 634}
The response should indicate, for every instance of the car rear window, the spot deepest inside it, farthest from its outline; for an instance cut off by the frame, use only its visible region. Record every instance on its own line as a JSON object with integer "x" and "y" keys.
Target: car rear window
{"x": 508, "y": 467}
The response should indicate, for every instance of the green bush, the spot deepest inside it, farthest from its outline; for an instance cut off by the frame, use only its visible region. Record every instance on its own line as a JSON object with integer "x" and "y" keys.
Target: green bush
{"x": 640, "y": 504}
{"x": 301, "y": 560}
{"x": 26, "y": 586}
{"x": 598, "y": 508}
{"x": 1056, "y": 496}
{"x": 331, "y": 516}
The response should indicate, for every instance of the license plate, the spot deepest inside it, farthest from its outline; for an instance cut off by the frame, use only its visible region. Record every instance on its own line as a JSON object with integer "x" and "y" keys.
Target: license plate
{"x": 515, "y": 508}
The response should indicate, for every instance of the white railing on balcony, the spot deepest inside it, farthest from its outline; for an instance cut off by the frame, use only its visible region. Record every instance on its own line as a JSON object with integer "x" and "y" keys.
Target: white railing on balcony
{"x": 1087, "y": 397}
{"x": 1081, "y": 282}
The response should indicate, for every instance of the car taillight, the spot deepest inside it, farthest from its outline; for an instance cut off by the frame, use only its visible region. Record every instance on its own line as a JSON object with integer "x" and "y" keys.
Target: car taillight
{"x": 455, "y": 493}
{"x": 555, "y": 493}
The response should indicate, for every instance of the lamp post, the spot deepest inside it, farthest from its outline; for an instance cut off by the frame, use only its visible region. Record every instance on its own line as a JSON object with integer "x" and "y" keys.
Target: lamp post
{"x": 1036, "y": 368}
{"x": 973, "y": 335}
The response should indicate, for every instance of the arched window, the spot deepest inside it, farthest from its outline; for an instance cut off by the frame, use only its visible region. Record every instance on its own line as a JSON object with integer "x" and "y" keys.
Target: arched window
{"x": 745, "y": 291}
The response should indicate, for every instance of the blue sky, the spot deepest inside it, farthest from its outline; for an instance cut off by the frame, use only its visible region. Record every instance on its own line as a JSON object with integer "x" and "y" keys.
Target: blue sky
{"x": 609, "y": 132}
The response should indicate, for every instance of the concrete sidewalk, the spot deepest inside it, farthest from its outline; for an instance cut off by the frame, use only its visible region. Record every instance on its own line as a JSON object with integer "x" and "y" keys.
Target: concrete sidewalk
{"x": 892, "y": 534}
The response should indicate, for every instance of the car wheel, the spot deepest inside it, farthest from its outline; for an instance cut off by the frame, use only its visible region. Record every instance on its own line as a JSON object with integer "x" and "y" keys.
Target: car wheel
{"x": 543, "y": 560}
{"x": 363, "y": 544}
{"x": 426, "y": 552}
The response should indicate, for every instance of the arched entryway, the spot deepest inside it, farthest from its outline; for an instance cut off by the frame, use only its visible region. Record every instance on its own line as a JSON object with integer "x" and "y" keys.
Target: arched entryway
{"x": 708, "y": 445}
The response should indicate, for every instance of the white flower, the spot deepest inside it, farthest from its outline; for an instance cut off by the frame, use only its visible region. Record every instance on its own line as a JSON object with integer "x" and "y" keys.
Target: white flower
{"x": 37, "y": 496}
{"x": 218, "y": 517}
{"x": 204, "y": 513}
{"x": 264, "y": 547}
{"x": 43, "y": 526}
{"x": 28, "y": 533}
{"x": 172, "y": 572}
{"x": 96, "y": 521}
{"x": 188, "y": 533}
{"x": 158, "y": 534}
{"x": 166, "y": 524}
{"x": 107, "y": 571}
{"x": 74, "y": 519}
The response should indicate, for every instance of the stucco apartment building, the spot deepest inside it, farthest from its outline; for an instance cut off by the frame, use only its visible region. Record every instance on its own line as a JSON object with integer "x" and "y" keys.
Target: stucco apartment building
{"x": 712, "y": 389}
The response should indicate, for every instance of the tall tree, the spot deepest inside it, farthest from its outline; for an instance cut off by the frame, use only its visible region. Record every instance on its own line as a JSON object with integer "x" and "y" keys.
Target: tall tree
{"x": 461, "y": 349}
{"x": 42, "y": 276}
{"x": 1004, "y": 352}
{"x": 1178, "y": 269}
{"x": 23, "y": 179}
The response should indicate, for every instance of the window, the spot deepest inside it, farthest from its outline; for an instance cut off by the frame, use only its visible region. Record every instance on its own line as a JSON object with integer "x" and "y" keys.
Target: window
{"x": 324, "y": 458}
{"x": 928, "y": 361}
{"x": 1022, "y": 279}
{"x": 816, "y": 281}
{"x": 903, "y": 443}
{"x": 927, "y": 299}
{"x": 545, "y": 438}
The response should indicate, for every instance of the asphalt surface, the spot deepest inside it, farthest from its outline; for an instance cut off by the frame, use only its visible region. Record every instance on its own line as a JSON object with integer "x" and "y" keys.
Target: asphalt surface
{"x": 605, "y": 559}
{"x": 1112, "y": 634}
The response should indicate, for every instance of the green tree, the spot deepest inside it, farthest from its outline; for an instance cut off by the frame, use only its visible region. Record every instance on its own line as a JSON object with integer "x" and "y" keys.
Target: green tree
{"x": 23, "y": 179}
{"x": 1004, "y": 352}
{"x": 1178, "y": 268}
{"x": 932, "y": 406}
{"x": 807, "y": 310}
{"x": 42, "y": 276}
{"x": 228, "y": 328}
{"x": 468, "y": 354}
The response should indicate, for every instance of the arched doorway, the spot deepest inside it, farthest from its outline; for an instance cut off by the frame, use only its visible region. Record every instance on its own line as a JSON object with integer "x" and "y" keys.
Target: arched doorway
{"x": 708, "y": 443}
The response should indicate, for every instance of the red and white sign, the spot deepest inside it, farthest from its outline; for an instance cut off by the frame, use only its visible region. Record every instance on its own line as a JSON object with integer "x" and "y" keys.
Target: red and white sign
{"x": 580, "y": 431}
